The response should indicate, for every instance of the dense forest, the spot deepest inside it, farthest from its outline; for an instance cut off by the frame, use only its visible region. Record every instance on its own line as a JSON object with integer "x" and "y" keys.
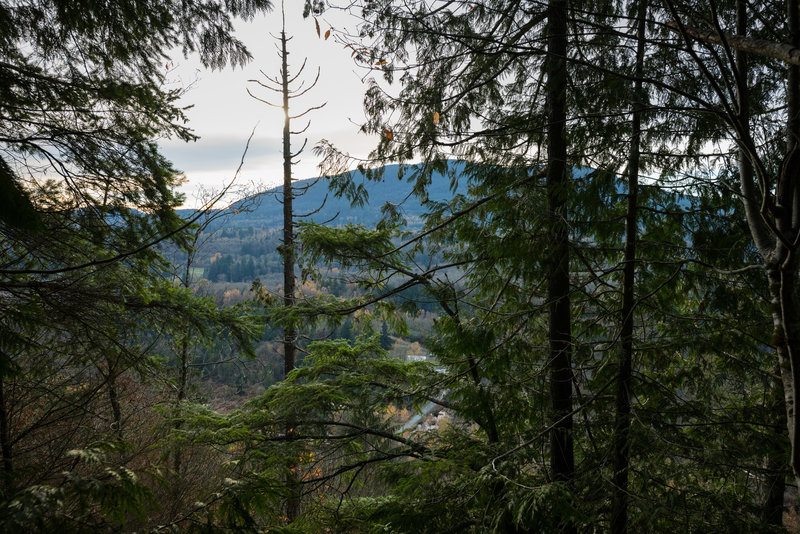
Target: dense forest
{"x": 583, "y": 315}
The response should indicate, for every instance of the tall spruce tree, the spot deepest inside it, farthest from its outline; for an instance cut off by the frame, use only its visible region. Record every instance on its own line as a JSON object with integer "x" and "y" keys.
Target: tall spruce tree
{"x": 622, "y": 422}
{"x": 283, "y": 85}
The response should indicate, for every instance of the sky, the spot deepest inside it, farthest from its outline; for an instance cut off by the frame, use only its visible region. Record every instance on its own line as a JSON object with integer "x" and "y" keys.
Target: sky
{"x": 224, "y": 115}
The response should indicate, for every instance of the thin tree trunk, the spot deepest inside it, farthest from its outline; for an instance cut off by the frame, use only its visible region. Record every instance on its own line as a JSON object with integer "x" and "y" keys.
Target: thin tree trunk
{"x": 774, "y": 485}
{"x": 290, "y": 332}
{"x": 113, "y": 397}
{"x": 287, "y": 250}
{"x": 783, "y": 267}
{"x": 622, "y": 423}
{"x": 779, "y": 254}
{"x": 775, "y": 462}
{"x": 789, "y": 351}
{"x": 5, "y": 438}
{"x": 183, "y": 373}
{"x": 562, "y": 460}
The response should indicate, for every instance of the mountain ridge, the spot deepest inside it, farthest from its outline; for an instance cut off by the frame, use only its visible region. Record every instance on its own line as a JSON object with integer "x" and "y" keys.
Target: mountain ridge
{"x": 323, "y": 207}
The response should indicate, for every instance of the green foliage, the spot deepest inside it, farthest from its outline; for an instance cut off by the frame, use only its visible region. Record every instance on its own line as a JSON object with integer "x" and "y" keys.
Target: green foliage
{"x": 84, "y": 302}
{"x": 97, "y": 496}
{"x": 457, "y": 443}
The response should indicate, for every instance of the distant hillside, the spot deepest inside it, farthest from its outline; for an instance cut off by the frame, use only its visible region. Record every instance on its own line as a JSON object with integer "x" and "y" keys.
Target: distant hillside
{"x": 269, "y": 213}
{"x": 241, "y": 247}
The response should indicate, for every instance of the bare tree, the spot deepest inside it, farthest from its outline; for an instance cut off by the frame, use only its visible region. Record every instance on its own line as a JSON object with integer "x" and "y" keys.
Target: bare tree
{"x": 285, "y": 85}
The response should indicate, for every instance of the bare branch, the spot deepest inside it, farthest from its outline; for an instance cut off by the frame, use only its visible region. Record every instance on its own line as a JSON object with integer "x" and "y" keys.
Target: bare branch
{"x": 760, "y": 47}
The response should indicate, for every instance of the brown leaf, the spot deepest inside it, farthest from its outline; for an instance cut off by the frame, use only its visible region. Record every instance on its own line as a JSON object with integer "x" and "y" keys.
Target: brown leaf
{"x": 435, "y": 117}
{"x": 388, "y": 133}
{"x": 327, "y": 34}
{"x": 316, "y": 23}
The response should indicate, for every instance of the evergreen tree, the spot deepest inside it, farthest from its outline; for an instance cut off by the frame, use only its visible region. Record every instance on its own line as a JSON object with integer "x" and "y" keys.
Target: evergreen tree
{"x": 451, "y": 102}
{"x": 86, "y": 198}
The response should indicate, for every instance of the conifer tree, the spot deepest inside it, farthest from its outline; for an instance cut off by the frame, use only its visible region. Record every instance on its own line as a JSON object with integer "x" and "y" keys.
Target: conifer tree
{"x": 683, "y": 443}
{"x": 85, "y": 200}
{"x": 619, "y": 502}
{"x": 451, "y": 106}
{"x": 84, "y": 103}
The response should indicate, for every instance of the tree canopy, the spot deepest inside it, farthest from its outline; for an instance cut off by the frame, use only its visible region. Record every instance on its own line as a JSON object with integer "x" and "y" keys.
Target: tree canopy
{"x": 86, "y": 198}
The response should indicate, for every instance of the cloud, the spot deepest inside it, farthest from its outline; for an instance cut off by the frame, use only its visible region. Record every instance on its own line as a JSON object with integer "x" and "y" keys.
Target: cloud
{"x": 218, "y": 153}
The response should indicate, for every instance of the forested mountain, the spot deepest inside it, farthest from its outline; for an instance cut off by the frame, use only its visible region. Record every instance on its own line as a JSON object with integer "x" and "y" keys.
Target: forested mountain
{"x": 315, "y": 199}
{"x": 534, "y": 339}
{"x": 243, "y": 244}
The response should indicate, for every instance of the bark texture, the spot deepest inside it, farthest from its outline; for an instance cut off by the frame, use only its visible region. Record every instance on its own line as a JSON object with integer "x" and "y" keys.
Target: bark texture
{"x": 773, "y": 216}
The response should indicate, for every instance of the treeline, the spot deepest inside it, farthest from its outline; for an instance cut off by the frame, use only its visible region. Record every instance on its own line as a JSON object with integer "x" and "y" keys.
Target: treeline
{"x": 241, "y": 269}
{"x": 242, "y": 254}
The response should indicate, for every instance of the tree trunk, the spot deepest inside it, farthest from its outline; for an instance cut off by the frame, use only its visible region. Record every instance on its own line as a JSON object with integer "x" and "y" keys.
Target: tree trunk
{"x": 776, "y": 245}
{"x": 787, "y": 340}
{"x": 783, "y": 290}
{"x": 287, "y": 250}
{"x": 5, "y": 438}
{"x": 290, "y": 332}
{"x": 113, "y": 397}
{"x": 183, "y": 373}
{"x": 562, "y": 461}
{"x": 622, "y": 423}
{"x": 774, "y": 484}
{"x": 775, "y": 462}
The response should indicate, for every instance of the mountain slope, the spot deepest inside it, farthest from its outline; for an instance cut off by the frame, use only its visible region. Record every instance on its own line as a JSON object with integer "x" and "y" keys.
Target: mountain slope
{"x": 323, "y": 206}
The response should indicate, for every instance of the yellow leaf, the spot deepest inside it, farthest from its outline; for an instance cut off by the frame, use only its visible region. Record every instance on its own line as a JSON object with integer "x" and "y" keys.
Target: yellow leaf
{"x": 316, "y": 23}
{"x": 327, "y": 34}
{"x": 435, "y": 117}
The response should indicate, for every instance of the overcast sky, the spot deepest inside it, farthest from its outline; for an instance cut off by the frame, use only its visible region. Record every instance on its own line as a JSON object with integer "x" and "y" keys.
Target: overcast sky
{"x": 224, "y": 114}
